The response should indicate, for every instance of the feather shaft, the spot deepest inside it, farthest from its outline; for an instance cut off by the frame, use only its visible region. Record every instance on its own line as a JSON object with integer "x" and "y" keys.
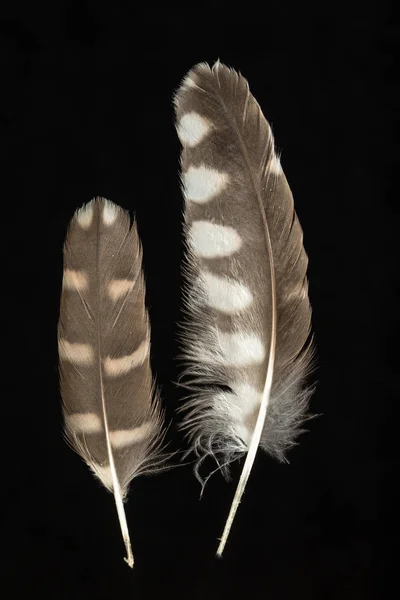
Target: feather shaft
{"x": 129, "y": 559}
{"x": 256, "y": 437}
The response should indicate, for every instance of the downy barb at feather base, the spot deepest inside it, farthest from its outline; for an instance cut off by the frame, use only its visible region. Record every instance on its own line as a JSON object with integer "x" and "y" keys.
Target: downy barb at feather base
{"x": 246, "y": 338}
{"x": 111, "y": 409}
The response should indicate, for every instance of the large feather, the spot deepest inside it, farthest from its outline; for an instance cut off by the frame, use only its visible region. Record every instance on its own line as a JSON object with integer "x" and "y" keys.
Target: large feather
{"x": 112, "y": 412}
{"x": 247, "y": 299}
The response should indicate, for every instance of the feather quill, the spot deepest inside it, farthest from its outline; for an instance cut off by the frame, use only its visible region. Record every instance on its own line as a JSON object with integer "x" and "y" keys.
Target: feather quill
{"x": 245, "y": 340}
{"x": 111, "y": 408}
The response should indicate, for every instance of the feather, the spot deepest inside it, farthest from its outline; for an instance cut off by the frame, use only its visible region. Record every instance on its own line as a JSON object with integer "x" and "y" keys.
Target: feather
{"x": 111, "y": 408}
{"x": 245, "y": 340}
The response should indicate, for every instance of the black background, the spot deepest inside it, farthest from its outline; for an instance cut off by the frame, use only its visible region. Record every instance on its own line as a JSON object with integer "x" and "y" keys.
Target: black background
{"x": 86, "y": 110}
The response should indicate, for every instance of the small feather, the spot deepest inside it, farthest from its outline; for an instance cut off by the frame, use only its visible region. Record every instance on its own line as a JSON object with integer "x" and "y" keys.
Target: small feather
{"x": 111, "y": 408}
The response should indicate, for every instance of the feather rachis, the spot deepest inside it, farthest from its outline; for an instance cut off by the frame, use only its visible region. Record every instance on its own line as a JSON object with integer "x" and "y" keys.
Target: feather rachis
{"x": 233, "y": 180}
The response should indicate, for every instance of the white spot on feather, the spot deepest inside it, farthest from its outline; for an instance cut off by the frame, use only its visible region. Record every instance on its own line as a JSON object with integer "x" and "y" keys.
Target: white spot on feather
{"x": 246, "y": 397}
{"x": 189, "y": 82}
{"x": 210, "y": 240}
{"x": 84, "y": 215}
{"x": 241, "y": 349}
{"x": 202, "y": 184}
{"x": 275, "y": 165}
{"x": 110, "y": 213}
{"x": 118, "y": 366}
{"x": 75, "y": 280}
{"x": 224, "y": 294}
{"x": 192, "y": 129}
{"x": 243, "y": 432}
{"x": 236, "y": 407}
{"x": 125, "y": 437}
{"x": 119, "y": 287}
{"x": 104, "y": 474}
{"x": 84, "y": 422}
{"x": 82, "y": 354}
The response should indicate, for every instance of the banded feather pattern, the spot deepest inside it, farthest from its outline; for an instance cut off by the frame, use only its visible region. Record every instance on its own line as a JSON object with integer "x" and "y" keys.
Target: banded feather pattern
{"x": 111, "y": 409}
{"x": 245, "y": 340}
